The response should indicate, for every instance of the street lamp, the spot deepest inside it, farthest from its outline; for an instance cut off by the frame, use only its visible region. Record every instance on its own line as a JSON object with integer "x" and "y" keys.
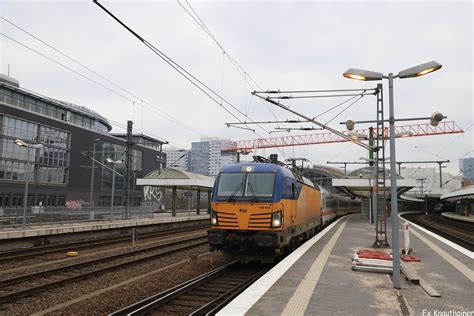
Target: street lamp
{"x": 28, "y": 146}
{"x": 113, "y": 162}
{"x": 92, "y": 172}
{"x": 412, "y": 72}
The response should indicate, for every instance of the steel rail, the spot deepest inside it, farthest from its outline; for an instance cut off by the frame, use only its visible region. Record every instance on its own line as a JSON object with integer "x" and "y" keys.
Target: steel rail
{"x": 229, "y": 291}
{"x": 217, "y": 304}
{"x": 443, "y": 227}
{"x": 135, "y": 308}
{"x": 69, "y": 279}
{"x": 450, "y": 232}
{"x": 42, "y": 250}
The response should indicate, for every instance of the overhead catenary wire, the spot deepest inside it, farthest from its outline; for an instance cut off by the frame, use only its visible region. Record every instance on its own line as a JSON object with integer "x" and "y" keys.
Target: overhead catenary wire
{"x": 242, "y": 72}
{"x": 345, "y": 109}
{"x": 335, "y": 107}
{"x": 123, "y": 96}
{"x": 319, "y": 96}
{"x": 314, "y": 91}
{"x": 214, "y": 96}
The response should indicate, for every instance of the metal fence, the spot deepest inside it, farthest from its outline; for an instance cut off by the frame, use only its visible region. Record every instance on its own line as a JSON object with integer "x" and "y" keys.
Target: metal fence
{"x": 37, "y": 215}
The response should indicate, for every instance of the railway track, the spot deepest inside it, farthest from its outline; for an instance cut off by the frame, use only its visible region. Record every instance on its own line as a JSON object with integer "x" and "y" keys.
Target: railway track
{"x": 204, "y": 295}
{"x": 461, "y": 233}
{"x": 14, "y": 288}
{"x": 96, "y": 242}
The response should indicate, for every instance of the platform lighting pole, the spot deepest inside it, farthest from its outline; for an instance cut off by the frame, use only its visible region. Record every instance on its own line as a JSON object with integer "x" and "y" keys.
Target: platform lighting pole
{"x": 416, "y": 71}
{"x": 91, "y": 194}
{"x": 28, "y": 146}
{"x": 113, "y": 162}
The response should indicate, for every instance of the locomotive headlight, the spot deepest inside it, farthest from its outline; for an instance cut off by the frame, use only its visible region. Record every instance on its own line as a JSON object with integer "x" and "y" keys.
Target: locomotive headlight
{"x": 213, "y": 218}
{"x": 276, "y": 219}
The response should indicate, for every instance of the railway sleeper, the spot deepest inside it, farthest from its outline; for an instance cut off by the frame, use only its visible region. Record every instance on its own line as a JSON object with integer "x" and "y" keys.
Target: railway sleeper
{"x": 189, "y": 303}
{"x": 212, "y": 289}
{"x": 194, "y": 298}
{"x": 176, "y": 309}
{"x": 202, "y": 293}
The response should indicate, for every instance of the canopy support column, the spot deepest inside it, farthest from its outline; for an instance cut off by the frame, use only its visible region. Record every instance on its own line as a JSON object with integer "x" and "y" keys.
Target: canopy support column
{"x": 209, "y": 202}
{"x": 198, "y": 201}
{"x": 173, "y": 202}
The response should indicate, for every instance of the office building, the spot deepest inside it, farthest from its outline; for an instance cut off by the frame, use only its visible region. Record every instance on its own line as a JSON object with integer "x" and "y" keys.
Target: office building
{"x": 60, "y": 170}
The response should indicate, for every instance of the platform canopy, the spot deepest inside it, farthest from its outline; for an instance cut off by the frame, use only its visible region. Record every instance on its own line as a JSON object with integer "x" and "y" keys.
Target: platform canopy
{"x": 411, "y": 199}
{"x": 361, "y": 181}
{"x": 173, "y": 178}
{"x": 466, "y": 193}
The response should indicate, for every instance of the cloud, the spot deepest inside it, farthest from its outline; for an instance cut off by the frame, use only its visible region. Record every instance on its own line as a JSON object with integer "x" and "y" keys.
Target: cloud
{"x": 282, "y": 45}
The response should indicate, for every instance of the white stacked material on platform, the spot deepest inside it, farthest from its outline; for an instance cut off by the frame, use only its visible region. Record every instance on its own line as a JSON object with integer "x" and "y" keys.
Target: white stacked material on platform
{"x": 371, "y": 265}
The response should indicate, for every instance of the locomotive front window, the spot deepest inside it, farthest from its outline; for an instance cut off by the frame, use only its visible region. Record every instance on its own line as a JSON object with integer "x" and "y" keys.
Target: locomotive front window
{"x": 260, "y": 185}
{"x": 231, "y": 185}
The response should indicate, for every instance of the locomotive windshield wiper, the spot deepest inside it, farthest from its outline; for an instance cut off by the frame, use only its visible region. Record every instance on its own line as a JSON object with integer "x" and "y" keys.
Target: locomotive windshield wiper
{"x": 232, "y": 196}
{"x": 254, "y": 197}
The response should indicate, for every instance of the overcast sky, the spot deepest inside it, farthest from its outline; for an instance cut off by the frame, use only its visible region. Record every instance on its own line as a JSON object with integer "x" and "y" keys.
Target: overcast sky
{"x": 281, "y": 45}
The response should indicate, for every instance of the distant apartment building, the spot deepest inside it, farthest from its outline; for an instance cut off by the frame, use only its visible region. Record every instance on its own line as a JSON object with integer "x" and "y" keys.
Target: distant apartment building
{"x": 466, "y": 166}
{"x": 177, "y": 159}
{"x": 206, "y": 156}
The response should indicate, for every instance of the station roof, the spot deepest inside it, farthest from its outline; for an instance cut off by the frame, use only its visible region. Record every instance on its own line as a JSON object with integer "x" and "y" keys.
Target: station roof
{"x": 169, "y": 178}
{"x": 360, "y": 182}
{"x": 362, "y": 187}
{"x": 462, "y": 194}
{"x": 411, "y": 199}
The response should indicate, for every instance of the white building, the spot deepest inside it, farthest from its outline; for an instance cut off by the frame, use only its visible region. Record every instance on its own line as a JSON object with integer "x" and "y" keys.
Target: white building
{"x": 177, "y": 159}
{"x": 428, "y": 181}
{"x": 206, "y": 156}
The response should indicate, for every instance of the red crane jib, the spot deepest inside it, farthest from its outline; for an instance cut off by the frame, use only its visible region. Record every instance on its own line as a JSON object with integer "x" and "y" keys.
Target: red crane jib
{"x": 412, "y": 130}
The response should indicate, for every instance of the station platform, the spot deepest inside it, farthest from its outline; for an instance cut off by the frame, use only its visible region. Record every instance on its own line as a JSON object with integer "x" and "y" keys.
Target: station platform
{"x": 316, "y": 279}
{"x": 32, "y": 231}
{"x": 451, "y": 215}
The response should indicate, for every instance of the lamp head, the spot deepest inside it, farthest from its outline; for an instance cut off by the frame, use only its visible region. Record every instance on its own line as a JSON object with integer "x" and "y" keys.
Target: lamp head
{"x": 109, "y": 160}
{"x": 436, "y": 117}
{"x": 21, "y": 143}
{"x": 350, "y": 124}
{"x": 420, "y": 70}
{"x": 364, "y": 75}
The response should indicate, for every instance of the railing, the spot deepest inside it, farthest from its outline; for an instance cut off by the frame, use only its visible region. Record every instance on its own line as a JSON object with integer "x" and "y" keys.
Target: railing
{"x": 38, "y": 215}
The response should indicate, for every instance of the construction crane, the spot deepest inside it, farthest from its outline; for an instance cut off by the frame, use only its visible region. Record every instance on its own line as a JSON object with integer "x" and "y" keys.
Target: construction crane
{"x": 413, "y": 130}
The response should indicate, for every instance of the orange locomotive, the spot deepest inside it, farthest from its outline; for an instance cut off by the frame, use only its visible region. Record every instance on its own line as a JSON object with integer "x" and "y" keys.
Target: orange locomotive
{"x": 261, "y": 210}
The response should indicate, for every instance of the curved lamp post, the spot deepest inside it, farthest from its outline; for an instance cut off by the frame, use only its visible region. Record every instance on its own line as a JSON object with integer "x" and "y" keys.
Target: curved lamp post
{"x": 28, "y": 146}
{"x": 367, "y": 75}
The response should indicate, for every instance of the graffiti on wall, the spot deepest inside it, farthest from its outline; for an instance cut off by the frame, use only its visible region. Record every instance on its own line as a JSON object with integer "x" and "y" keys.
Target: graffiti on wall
{"x": 74, "y": 204}
{"x": 152, "y": 193}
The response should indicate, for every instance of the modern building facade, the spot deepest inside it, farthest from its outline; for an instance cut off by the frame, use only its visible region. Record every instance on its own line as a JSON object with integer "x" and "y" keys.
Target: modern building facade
{"x": 60, "y": 171}
{"x": 206, "y": 156}
{"x": 466, "y": 166}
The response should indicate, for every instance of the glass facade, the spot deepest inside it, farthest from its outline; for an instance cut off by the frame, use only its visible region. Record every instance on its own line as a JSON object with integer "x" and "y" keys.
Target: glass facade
{"x": 53, "y": 108}
{"x": 117, "y": 152}
{"x": 47, "y": 165}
